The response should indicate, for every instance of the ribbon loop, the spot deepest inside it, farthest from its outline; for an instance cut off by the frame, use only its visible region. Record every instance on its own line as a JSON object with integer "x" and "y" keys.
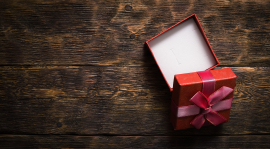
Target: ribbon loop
{"x": 200, "y": 100}
{"x": 219, "y": 94}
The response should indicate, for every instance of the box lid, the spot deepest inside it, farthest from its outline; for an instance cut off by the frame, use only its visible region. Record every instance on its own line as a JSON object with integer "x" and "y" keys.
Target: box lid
{"x": 182, "y": 48}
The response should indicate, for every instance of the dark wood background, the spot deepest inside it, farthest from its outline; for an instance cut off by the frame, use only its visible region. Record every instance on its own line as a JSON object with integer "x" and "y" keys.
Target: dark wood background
{"x": 77, "y": 74}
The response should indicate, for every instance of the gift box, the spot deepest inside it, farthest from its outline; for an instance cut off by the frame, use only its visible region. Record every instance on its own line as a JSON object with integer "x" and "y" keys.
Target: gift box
{"x": 182, "y": 53}
{"x": 202, "y": 98}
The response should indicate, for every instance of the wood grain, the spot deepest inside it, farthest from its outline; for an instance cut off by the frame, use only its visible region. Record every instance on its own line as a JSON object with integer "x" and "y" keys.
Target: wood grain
{"x": 67, "y": 141}
{"x": 103, "y": 33}
{"x": 116, "y": 101}
{"x": 76, "y": 74}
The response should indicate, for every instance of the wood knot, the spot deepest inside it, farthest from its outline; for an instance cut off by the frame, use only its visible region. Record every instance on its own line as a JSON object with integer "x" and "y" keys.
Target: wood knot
{"x": 132, "y": 36}
{"x": 128, "y": 8}
{"x": 59, "y": 124}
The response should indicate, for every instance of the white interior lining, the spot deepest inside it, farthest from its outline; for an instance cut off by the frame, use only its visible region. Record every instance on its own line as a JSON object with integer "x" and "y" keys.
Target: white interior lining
{"x": 182, "y": 49}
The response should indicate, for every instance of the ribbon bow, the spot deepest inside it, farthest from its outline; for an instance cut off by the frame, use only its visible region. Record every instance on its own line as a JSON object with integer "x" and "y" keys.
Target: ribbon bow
{"x": 208, "y": 105}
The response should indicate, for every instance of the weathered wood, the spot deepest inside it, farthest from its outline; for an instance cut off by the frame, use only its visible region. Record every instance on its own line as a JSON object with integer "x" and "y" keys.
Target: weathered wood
{"x": 67, "y": 141}
{"x": 108, "y": 34}
{"x": 77, "y": 74}
{"x": 91, "y": 100}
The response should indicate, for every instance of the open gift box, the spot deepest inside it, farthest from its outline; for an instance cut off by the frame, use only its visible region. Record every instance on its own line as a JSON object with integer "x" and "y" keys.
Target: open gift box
{"x": 185, "y": 59}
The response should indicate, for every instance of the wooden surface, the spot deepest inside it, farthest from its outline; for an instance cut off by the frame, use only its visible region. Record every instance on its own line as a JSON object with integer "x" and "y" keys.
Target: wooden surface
{"x": 76, "y": 74}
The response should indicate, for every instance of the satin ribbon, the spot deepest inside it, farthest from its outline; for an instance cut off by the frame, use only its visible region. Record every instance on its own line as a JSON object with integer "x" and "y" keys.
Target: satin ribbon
{"x": 206, "y": 103}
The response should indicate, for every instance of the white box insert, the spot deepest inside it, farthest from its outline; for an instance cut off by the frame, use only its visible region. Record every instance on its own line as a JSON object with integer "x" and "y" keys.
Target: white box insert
{"x": 182, "y": 49}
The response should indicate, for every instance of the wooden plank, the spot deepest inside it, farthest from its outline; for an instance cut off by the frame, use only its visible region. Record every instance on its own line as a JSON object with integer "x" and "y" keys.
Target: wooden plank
{"x": 69, "y": 141}
{"x": 116, "y": 101}
{"x": 106, "y": 34}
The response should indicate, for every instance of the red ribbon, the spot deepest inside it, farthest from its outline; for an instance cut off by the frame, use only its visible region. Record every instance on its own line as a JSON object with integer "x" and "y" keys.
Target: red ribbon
{"x": 206, "y": 103}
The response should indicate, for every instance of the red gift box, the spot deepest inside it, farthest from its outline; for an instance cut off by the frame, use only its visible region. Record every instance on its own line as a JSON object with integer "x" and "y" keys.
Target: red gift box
{"x": 180, "y": 52}
{"x": 188, "y": 84}
{"x": 182, "y": 48}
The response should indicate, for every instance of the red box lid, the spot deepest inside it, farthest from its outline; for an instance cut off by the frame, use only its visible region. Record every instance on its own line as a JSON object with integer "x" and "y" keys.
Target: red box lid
{"x": 188, "y": 84}
{"x": 182, "y": 48}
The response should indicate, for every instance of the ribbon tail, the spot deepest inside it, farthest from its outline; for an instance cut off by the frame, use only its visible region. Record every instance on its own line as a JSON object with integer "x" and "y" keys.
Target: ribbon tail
{"x": 198, "y": 121}
{"x": 220, "y": 94}
{"x": 200, "y": 100}
{"x": 215, "y": 118}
